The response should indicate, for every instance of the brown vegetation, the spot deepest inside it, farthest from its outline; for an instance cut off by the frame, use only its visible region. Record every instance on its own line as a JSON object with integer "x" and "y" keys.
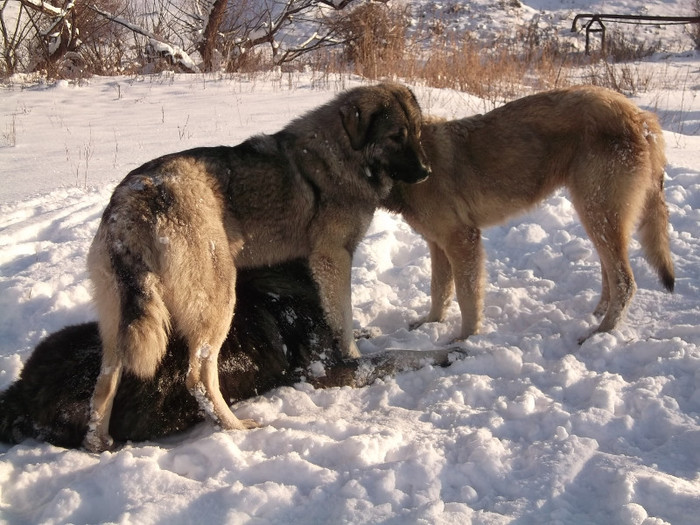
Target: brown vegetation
{"x": 371, "y": 38}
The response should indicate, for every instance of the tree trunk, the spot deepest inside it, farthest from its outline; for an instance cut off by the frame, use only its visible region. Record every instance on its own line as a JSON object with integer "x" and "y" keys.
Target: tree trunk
{"x": 208, "y": 44}
{"x": 66, "y": 36}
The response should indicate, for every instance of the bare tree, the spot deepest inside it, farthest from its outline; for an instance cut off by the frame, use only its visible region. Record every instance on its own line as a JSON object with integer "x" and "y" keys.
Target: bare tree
{"x": 221, "y": 32}
{"x": 173, "y": 53}
{"x": 15, "y": 28}
{"x": 54, "y": 34}
{"x": 54, "y": 28}
{"x": 231, "y": 29}
{"x": 209, "y": 39}
{"x": 235, "y": 27}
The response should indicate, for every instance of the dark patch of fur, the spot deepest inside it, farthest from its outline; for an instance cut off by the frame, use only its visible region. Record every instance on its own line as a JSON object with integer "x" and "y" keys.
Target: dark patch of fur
{"x": 278, "y": 330}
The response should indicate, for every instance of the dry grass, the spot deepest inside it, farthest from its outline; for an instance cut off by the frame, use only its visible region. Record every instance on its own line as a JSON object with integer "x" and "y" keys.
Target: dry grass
{"x": 695, "y": 28}
{"x": 627, "y": 78}
{"x": 374, "y": 37}
{"x": 376, "y": 42}
{"x": 376, "y": 47}
{"x": 498, "y": 73}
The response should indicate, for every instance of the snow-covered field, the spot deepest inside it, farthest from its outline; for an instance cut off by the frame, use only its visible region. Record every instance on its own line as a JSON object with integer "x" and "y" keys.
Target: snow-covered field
{"x": 531, "y": 427}
{"x": 491, "y": 19}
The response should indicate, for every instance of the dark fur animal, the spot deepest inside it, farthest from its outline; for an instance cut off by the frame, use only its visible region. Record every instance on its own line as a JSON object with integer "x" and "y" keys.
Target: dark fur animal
{"x": 278, "y": 332}
{"x": 177, "y": 230}
{"x": 607, "y": 152}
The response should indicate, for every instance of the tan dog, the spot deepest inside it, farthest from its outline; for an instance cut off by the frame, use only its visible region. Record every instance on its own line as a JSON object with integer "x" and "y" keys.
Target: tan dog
{"x": 176, "y": 230}
{"x": 607, "y": 152}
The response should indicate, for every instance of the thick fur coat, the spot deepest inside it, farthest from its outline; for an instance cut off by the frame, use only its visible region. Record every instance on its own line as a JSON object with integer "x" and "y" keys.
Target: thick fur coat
{"x": 604, "y": 150}
{"x": 178, "y": 229}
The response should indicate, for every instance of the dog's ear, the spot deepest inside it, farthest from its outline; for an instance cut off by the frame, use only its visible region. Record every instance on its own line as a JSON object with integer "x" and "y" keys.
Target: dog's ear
{"x": 356, "y": 121}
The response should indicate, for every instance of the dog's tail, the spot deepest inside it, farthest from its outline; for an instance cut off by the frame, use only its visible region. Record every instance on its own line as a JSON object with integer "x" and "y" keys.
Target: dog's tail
{"x": 138, "y": 330}
{"x": 653, "y": 227}
{"x": 144, "y": 340}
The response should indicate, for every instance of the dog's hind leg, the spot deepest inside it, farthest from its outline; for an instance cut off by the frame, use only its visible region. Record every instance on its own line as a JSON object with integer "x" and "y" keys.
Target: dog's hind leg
{"x": 203, "y": 382}
{"x": 621, "y": 285}
{"x": 604, "y": 301}
{"x": 134, "y": 335}
{"x": 114, "y": 328}
{"x": 202, "y": 311}
{"x": 609, "y": 230}
{"x": 204, "y": 339}
{"x": 97, "y": 437}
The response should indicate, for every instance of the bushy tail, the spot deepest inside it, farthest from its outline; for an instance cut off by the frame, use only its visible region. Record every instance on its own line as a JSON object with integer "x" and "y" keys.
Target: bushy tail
{"x": 134, "y": 324}
{"x": 144, "y": 340}
{"x": 653, "y": 227}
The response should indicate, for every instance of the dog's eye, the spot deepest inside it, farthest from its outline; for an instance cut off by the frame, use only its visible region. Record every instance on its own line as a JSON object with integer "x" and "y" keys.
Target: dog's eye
{"x": 400, "y": 136}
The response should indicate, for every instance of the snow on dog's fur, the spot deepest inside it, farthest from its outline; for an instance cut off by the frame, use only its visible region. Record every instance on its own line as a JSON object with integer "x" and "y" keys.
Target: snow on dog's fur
{"x": 177, "y": 229}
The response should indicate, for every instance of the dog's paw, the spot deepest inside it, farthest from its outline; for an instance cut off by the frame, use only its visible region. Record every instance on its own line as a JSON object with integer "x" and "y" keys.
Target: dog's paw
{"x": 93, "y": 442}
{"x": 588, "y": 336}
{"x": 417, "y": 323}
{"x": 231, "y": 422}
{"x": 457, "y": 353}
{"x": 250, "y": 424}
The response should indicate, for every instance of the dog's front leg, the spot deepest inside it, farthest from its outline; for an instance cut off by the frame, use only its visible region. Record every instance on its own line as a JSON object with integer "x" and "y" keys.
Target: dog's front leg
{"x": 466, "y": 255}
{"x": 331, "y": 269}
{"x": 441, "y": 286}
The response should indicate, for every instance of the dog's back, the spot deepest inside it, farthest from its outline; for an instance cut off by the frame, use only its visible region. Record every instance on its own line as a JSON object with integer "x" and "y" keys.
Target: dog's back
{"x": 514, "y": 156}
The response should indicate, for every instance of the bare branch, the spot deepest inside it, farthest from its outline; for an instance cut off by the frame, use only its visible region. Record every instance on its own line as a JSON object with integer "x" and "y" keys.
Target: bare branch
{"x": 48, "y": 9}
{"x": 174, "y": 53}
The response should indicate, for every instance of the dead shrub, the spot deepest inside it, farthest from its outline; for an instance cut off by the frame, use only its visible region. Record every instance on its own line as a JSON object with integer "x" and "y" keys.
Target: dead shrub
{"x": 626, "y": 78}
{"x": 620, "y": 48}
{"x": 374, "y": 37}
{"x": 695, "y": 28}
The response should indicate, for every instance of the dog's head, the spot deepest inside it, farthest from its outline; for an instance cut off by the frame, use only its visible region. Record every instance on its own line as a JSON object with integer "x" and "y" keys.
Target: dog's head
{"x": 384, "y": 121}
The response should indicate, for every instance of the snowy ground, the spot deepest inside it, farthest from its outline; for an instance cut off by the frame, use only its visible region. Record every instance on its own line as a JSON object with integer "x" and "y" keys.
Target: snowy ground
{"x": 531, "y": 427}
{"x": 489, "y": 19}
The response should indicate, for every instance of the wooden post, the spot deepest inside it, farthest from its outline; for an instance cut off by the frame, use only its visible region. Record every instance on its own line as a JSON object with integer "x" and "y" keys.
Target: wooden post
{"x": 599, "y": 28}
